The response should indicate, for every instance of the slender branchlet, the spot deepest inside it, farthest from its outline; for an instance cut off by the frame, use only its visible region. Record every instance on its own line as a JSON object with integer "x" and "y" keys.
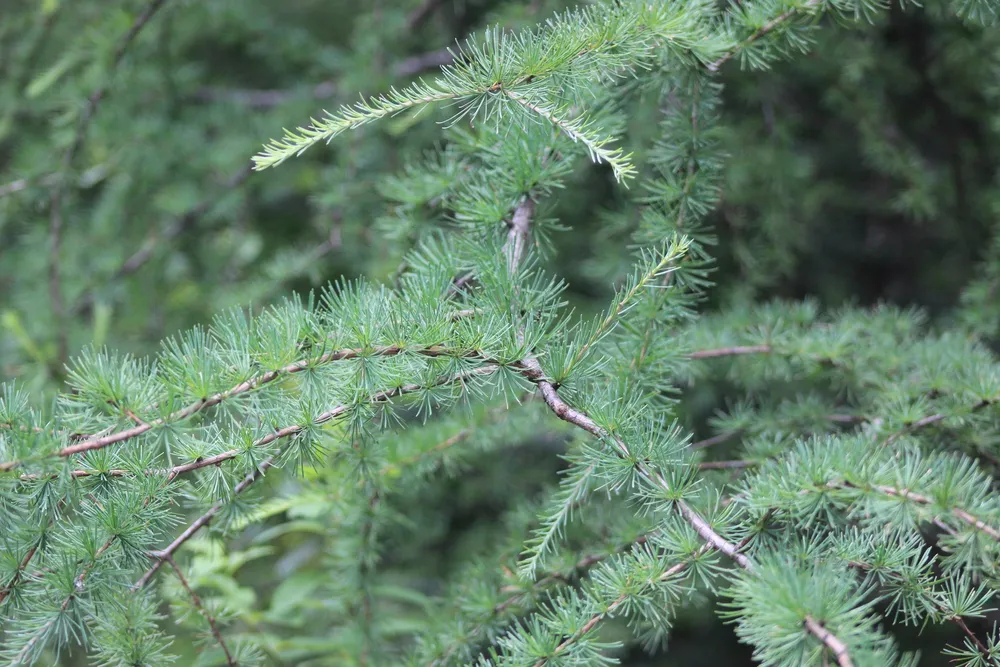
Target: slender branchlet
{"x": 196, "y": 601}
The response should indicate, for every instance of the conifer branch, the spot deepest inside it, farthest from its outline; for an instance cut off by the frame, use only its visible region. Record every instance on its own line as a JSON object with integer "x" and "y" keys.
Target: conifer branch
{"x": 517, "y": 236}
{"x": 56, "y": 198}
{"x": 957, "y": 511}
{"x": 738, "y": 464}
{"x": 78, "y": 585}
{"x": 575, "y": 490}
{"x": 579, "y": 131}
{"x": 763, "y": 31}
{"x": 294, "y": 143}
{"x": 976, "y": 641}
{"x": 100, "y": 442}
{"x": 836, "y": 646}
{"x": 327, "y": 416}
{"x": 578, "y": 418}
{"x": 218, "y": 459}
{"x": 615, "y": 604}
{"x": 446, "y": 444}
{"x": 160, "y": 556}
{"x": 689, "y": 179}
{"x": 730, "y": 351}
{"x": 934, "y": 419}
{"x": 533, "y": 371}
{"x": 662, "y": 267}
{"x": 498, "y": 72}
{"x": 22, "y": 566}
{"x": 274, "y": 436}
{"x": 196, "y": 601}
{"x": 715, "y": 440}
{"x": 941, "y": 609}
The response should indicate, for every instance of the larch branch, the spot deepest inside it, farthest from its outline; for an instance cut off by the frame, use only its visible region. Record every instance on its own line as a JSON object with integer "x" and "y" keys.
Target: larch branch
{"x": 532, "y": 370}
{"x": 99, "y": 442}
{"x": 738, "y": 464}
{"x": 934, "y": 419}
{"x": 768, "y": 27}
{"x": 519, "y": 233}
{"x": 962, "y": 514}
{"x": 285, "y": 432}
{"x": 946, "y": 613}
{"x": 976, "y": 641}
{"x": 196, "y": 601}
{"x": 21, "y": 567}
{"x": 202, "y": 521}
{"x": 619, "y": 601}
{"x": 77, "y": 588}
{"x": 730, "y": 351}
{"x": 836, "y": 646}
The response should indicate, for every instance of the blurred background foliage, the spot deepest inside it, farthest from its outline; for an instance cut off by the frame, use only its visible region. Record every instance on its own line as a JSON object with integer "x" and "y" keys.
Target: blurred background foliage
{"x": 863, "y": 172}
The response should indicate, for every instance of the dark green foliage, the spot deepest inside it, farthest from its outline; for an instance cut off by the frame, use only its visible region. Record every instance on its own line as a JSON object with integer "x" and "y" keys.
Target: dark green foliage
{"x": 609, "y": 319}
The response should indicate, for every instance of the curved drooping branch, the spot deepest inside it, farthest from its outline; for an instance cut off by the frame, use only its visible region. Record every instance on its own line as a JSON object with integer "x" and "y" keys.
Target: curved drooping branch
{"x": 99, "y": 442}
{"x": 286, "y": 432}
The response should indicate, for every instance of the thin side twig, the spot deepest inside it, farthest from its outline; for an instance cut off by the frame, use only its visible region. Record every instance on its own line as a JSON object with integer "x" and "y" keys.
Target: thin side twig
{"x": 931, "y": 420}
{"x": 21, "y": 567}
{"x": 580, "y": 567}
{"x": 77, "y": 588}
{"x": 196, "y": 601}
{"x": 715, "y": 440}
{"x": 329, "y": 415}
{"x": 99, "y": 442}
{"x": 957, "y": 620}
{"x": 768, "y": 27}
{"x": 836, "y": 646}
{"x": 618, "y": 602}
{"x": 727, "y": 465}
{"x": 962, "y": 514}
{"x": 980, "y": 646}
{"x": 519, "y": 232}
{"x": 285, "y": 432}
{"x": 730, "y": 351}
{"x": 159, "y": 557}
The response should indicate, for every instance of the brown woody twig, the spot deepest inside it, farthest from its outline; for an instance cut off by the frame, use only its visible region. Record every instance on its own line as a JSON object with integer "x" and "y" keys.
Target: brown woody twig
{"x": 764, "y": 30}
{"x": 196, "y": 601}
{"x": 836, "y": 646}
{"x": 285, "y": 432}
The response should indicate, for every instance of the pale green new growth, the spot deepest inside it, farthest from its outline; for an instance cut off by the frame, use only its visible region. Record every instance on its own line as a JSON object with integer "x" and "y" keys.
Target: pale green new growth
{"x": 851, "y": 496}
{"x": 510, "y": 78}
